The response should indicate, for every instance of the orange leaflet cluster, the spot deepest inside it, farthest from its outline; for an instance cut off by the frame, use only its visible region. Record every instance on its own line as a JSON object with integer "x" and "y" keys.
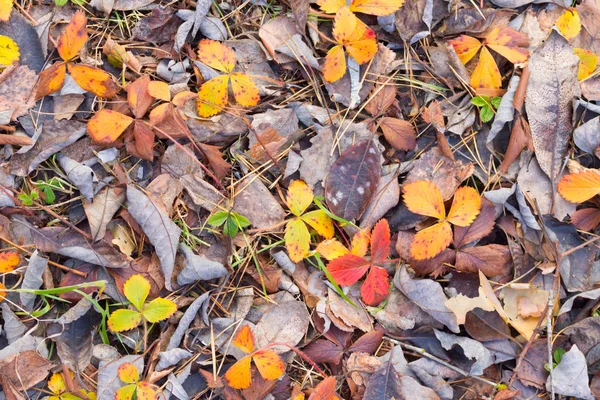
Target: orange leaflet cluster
{"x": 347, "y": 267}
{"x": 507, "y": 42}
{"x": 89, "y": 78}
{"x": 214, "y": 94}
{"x": 267, "y": 362}
{"x": 425, "y": 198}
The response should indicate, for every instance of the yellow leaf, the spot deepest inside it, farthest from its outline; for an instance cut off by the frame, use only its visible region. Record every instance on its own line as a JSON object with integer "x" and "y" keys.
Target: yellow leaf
{"x": 216, "y": 55}
{"x": 569, "y": 24}
{"x": 360, "y": 243}
{"x": 299, "y": 197}
{"x": 363, "y": 50}
{"x": 465, "y": 206}
{"x": 509, "y": 43}
{"x": 335, "y": 64}
{"x": 320, "y": 222}
{"x": 244, "y": 90}
{"x": 8, "y": 261}
{"x": 297, "y": 239}
{"x": 126, "y": 392}
{"x": 2, "y": 292}
{"x": 107, "y": 125}
{"x": 238, "y": 375}
{"x": 376, "y": 7}
{"x": 331, "y": 6}
{"x": 94, "y": 80}
{"x": 587, "y": 63}
{"x": 128, "y": 373}
{"x": 159, "y": 90}
{"x": 466, "y": 47}
{"x": 9, "y": 51}
{"x": 460, "y": 305}
{"x": 159, "y": 309}
{"x": 74, "y": 37}
{"x": 136, "y": 289}
{"x": 145, "y": 391}
{"x": 486, "y": 74}
{"x": 331, "y": 249}
{"x": 425, "y": 198}
{"x": 56, "y": 384}
{"x": 212, "y": 97}
{"x": 345, "y": 26}
{"x": 269, "y": 364}
{"x": 430, "y": 242}
{"x": 6, "y": 7}
{"x": 581, "y": 186}
{"x": 51, "y": 80}
{"x": 123, "y": 320}
{"x": 244, "y": 339}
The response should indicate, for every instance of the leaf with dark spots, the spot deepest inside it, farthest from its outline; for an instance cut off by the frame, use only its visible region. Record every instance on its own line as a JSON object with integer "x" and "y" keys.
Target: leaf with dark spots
{"x": 549, "y": 101}
{"x": 352, "y": 180}
{"x": 21, "y": 371}
{"x": 480, "y": 228}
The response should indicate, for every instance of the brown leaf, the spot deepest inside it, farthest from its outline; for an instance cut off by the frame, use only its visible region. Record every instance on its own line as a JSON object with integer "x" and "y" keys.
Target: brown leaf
{"x": 17, "y": 87}
{"x": 484, "y": 326}
{"x": 531, "y": 372}
{"x": 269, "y": 274}
{"x": 148, "y": 267}
{"x": 159, "y": 27}
{"x": 215, "y": 159}
{"x": 520, "y": 138}
{"x": 300, "y": 10}
{"x": 400, "y": 134}
{"x": 480, "y": 228}
{"x": 381, "y": 99}
{"x": 15, "y": 140}
{"x": 166, "y": 119}
{"x": 324, "y": 351}
{"x": 24, "y": 370}
{"x": 266, "y": 147}
{"x": 492, "y": 260}
{"x": 138, "y": 97}
{"x": 367, "y": 343}
{"x": 143, "y": 141}
{"x": 352, "y": 180}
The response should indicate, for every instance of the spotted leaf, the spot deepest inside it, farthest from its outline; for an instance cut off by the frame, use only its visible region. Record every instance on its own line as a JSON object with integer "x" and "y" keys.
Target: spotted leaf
{"x": 74, "y": 37}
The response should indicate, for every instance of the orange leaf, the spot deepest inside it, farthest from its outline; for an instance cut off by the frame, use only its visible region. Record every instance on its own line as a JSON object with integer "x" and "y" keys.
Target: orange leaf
{"x": 94, "y": 80}
{"x": 6, "y": 7}
{"x": 107, "y": 125}
{"x": 400, "y": 134}
{"x": 244, "y": 339}
{"x": 159, "y": 90}
{"x": 465, "y": 206}
{"x": 430, "y": 242}
{"x": 348, "y": 269}
{"x": 128, "y": 373}
{"x": 466, "y": 47}
{"x": 51, "y": 80}
{"x": 587, "y": 63}
{"x": 335, "y": 64}
{"x": 581, "y": 186}
{"x": 331, "y": 6}
{"x": 380, "y": 241}
{"x": 425, "y": 198}
{"x": 360, "y": 243}
{"x": 74, "y": 37}
{"x": 509, "y": 43}
{"x": 376, "y": 287}
{"x": 244, "y": 90}
{"x": 346, "y": 27}
{"x": 363, "y": 50}
{"x": 2, "y": 292}
{"x": 376, "y": 7}
{"x": 238, "y": 375}
{"x": 269, "y": 364}
{"x": 216, "y": 55}
{"x": 486, "y": 74}
{"x": 138, "y": 97}
{"x": 8, "y": 261}
{"x": 212, "y": 97}
{"x": 325, "y": 390}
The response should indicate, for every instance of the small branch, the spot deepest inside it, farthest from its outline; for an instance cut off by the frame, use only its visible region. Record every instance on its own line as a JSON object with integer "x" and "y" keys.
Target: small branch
{"x": 424, "y": 353}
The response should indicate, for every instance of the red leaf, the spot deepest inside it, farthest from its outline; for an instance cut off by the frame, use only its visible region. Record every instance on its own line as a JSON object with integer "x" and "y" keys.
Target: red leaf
{"x": 348, "y": 269}
{"x": 380, "y": 242}
{"x": 376, "y": 287}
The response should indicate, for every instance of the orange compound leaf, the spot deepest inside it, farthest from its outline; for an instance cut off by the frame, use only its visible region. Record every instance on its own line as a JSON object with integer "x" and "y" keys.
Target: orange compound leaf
{"x": 51, "y": 80}
{"x": 581, "y": 186}
{"x": 74, "y": 37}
{"x": 430, "y": 242}
{"x": 509, "y": 43}
{"x": 376, "y": 7}
{"x": 466, "y": 47}
{"x": 363, "y": 50}
{"x": 465, "y": 207}
{"x": 107, "y": 125}
{"x": 348, "y": 269}
{"x": 244, "y": 90}
{"x": 9, "y": 261}
{"x": 216, "y": 55}
{"x": 128, "y": 373}
{"x": 238, "y": 375}
{"x": 486, "y": 74}
{"x": 335, "y": 64}
{"x": 425, "y": 198}
{"x": 325, "y": 390}
{"x": 299, "y": 197}
{"x": 588, "y": 62}
{"x": 94, "y": 80}
{"x": 212, "y": 97}
{"x": 380, "y": 241}
{"x": 269, "y": 364}
{"x": 244, "y": 339}
{"x": 376, "y": 287}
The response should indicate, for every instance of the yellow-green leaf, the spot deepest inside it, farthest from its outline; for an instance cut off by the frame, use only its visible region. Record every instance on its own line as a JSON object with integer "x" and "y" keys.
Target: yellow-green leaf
{"x": 159, "y": 309}
{"x": 128, "y": 373}
{"x": 125, "y": 393}
{"x": 124, "y": 320}
{"x": 136, "y": 290}
{"x": 297, "y": 239}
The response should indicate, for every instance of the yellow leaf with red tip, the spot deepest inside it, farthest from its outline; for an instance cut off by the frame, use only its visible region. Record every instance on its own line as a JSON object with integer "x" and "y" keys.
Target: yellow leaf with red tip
{"x": 74, "y": 37}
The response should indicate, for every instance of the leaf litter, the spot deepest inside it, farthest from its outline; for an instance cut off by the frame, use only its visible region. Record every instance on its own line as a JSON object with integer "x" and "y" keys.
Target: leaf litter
{"x": 376, "y": 199}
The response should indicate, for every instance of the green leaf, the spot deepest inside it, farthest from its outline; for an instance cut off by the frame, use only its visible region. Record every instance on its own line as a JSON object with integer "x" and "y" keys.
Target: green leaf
{"x": 124, "y": 320}
{"x": 136, "y": 290}
{"x": 242, "y": 221}
{"x": 231, "y": 227}
{"x": 218, "y": 218}
{"x": 496, "y": 102}
{"x": 480, "y": 101}
{"x": 25, "y": 199}
{"x": 126, "y": 392}
{"x": 558, "y": 354}
{"x": 49, "y": 195}
{"x": 60, "y": 3}
{"x": 486, "y": 113}
{"x": 159, "y": 309}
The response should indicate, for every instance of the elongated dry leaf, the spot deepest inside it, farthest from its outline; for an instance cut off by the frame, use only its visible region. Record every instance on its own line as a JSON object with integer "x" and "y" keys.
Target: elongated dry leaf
{"x": 33, "y": 278}
{"x": 352, "y": 180}
{"x": 100, "y": 212}
{"x": 162, "y": 232}
{"x": 550, "y": 92}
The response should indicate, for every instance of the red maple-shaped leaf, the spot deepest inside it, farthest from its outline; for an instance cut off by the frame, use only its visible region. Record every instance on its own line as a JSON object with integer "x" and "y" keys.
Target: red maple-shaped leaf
{"x": 349, "y": 268}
